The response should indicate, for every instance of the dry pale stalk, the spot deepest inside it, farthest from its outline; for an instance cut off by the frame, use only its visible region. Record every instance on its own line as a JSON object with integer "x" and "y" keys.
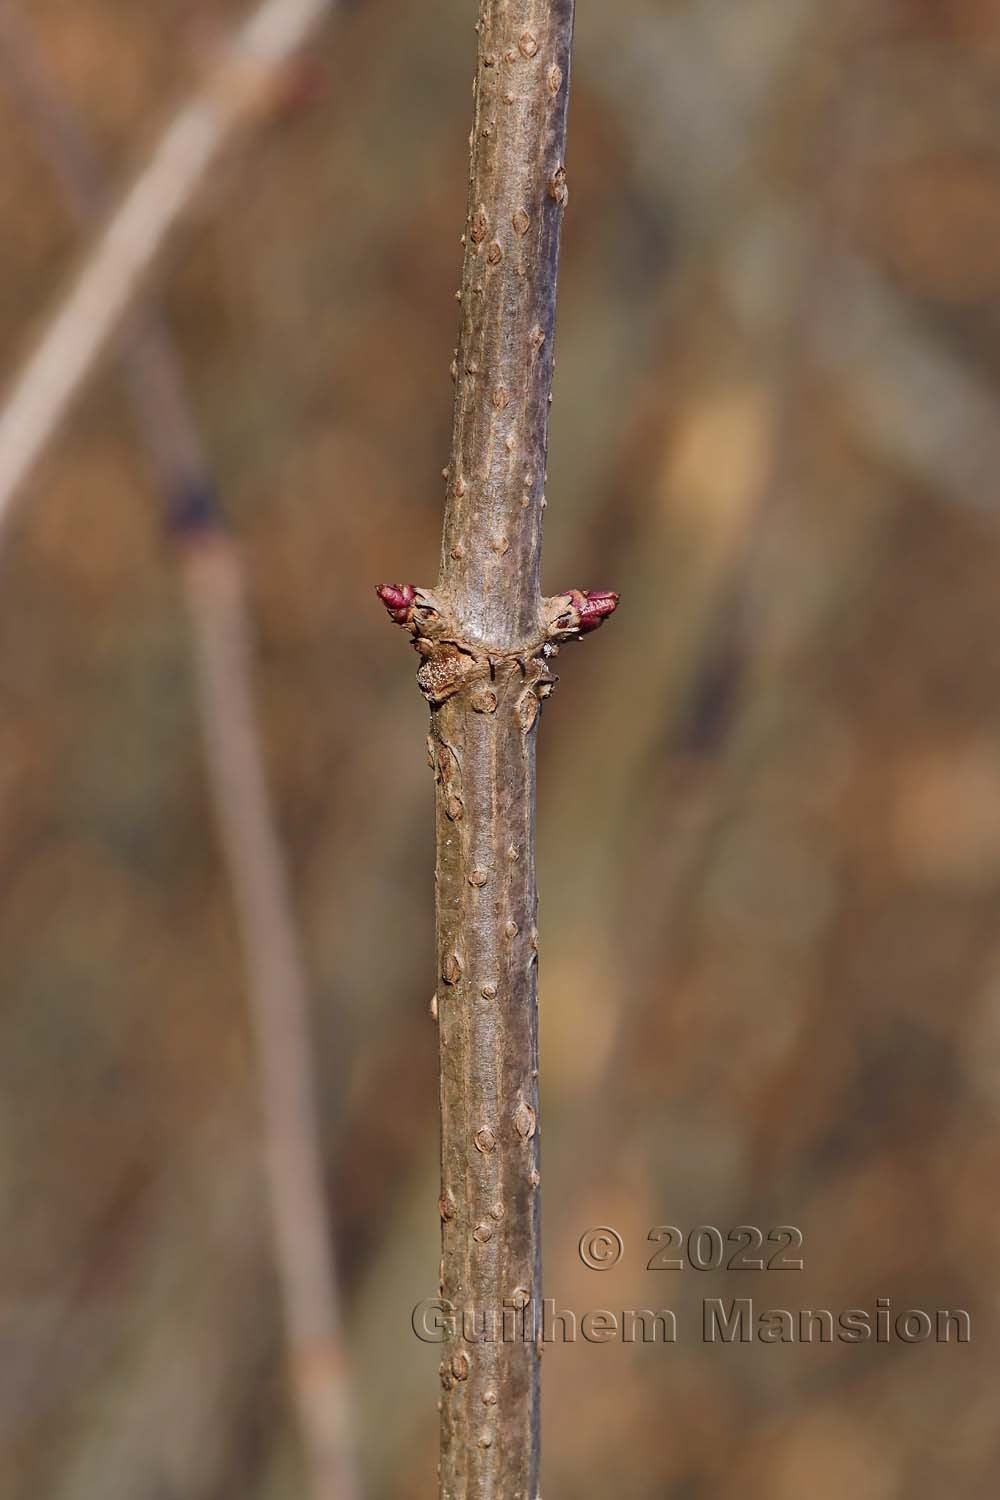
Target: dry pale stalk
{"x": 121, "y": 258}
{"x": 487, "y": 637}
{"x": 279, "y": 1010}
{"x": 212, "y": 573}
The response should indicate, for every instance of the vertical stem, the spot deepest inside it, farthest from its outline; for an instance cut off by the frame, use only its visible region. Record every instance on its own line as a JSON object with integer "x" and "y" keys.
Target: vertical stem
{"x": 485, "y": 753}
{"x": 487, "y": 1013}
{"x": 517, "y": 190}
{"x": 486, "y": 636}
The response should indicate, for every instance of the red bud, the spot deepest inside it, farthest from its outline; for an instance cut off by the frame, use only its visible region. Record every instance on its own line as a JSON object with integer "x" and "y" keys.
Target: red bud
{"x": 595, "y": 605}
{"x": 398, "y": 599}
{"x": 577, "y": 612}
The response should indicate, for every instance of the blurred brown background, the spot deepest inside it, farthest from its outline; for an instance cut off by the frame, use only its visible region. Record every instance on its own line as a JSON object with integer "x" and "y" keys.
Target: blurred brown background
{"x": 769, "y": 791}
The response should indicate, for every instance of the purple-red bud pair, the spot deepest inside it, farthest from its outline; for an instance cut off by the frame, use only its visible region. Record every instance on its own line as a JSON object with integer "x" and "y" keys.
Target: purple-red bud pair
{"x": 591, "y": 606}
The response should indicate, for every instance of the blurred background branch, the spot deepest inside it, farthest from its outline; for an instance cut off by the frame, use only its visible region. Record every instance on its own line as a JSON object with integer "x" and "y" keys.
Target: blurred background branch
{"x": 239, "y": 86}
{"x": 276, "y": 985}
{"x": 222, "y": 636}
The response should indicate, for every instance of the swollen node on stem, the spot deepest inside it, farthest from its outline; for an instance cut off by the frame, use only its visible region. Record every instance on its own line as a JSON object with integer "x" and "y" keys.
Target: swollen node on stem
{"x": 565, "y": 617}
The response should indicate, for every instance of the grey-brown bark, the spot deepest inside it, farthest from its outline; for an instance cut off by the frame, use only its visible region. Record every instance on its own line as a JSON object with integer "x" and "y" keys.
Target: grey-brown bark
{"x": 493, "y": 521}
{"x": 486, "y": 636}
